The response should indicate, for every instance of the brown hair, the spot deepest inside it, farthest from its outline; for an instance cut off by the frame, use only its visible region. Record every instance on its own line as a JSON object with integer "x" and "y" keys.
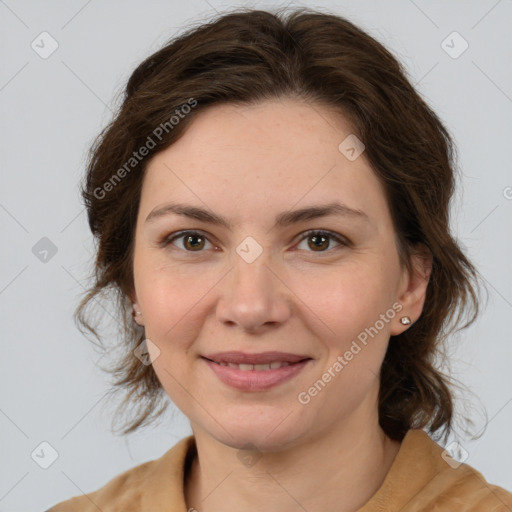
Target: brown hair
{"x": 248, "y": 56}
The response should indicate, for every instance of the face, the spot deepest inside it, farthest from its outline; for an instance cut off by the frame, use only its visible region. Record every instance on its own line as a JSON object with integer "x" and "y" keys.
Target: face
{"x": 281, "y": 254}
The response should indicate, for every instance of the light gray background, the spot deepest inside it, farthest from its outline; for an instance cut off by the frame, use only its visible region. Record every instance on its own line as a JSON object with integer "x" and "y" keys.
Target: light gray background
{"x": 51, "y": 389}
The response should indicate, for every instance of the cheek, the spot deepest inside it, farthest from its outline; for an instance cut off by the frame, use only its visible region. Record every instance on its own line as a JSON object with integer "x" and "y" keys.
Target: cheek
{"x": 351, "y": 302}
{"x": 347, "y": 299}
{"x": 166, "y": 299}
{"x": 176, "y": 300}
{"x": 358, "y": 308}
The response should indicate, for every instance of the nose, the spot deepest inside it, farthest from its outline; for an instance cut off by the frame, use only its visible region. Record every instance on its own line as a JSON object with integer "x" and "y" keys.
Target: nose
{"x": 253, "y": 296}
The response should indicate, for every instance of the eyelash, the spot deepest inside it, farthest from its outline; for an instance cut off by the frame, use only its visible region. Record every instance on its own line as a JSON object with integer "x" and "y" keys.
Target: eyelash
{"x": 168, "y": 239}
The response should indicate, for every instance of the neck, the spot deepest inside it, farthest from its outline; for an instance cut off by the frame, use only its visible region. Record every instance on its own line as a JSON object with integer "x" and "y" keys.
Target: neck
{"x": 338, "y": 471}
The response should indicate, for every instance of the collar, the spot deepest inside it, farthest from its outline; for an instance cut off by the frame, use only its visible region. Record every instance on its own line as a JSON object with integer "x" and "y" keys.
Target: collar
{"x": 421, "y": 475}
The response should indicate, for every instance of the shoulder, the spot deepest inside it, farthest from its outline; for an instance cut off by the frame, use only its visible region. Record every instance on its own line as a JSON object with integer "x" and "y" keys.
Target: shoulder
{"x": 424, "y": 477}
{"x": 142, "y": 487}
{"x": 468, "y": 490}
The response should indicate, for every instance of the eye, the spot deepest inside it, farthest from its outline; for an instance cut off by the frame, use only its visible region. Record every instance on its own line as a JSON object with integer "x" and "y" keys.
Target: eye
{"x": 320, "y": 241}
{"x": 195, "y": 241}
{"x": 192, "y": 241}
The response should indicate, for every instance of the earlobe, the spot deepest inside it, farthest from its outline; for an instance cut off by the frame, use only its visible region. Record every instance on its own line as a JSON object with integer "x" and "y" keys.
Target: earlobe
{"x": 137, "y": 314}
{"x": 413, "y": 290}
{"x": 136, "y": 311}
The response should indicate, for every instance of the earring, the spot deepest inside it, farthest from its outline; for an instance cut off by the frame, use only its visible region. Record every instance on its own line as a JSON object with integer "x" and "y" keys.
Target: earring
{"x": 405, "y": 320}
{"x": 137, "y": 313}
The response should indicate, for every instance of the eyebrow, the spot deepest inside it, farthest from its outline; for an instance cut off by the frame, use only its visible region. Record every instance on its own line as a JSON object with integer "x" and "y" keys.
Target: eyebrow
{"x": 283, "y": 219}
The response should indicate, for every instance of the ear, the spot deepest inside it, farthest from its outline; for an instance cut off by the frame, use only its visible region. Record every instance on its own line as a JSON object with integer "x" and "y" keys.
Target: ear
{"x": 138, "y": 318}
{"x": 413, "y": 288}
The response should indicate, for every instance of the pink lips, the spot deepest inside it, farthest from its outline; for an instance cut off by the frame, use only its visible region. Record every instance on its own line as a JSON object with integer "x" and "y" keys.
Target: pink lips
{"x": 283, "y": 366}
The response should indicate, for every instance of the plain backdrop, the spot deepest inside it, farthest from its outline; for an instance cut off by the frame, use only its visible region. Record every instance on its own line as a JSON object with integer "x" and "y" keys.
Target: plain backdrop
{"x": 51, "y": 108}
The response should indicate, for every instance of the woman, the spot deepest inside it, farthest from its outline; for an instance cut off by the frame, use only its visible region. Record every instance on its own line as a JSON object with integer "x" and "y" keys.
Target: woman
{"x": 271, "y": 205}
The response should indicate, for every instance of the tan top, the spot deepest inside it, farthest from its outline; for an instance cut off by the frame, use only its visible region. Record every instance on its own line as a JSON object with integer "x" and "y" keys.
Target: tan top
{"x": 419, "y": 480}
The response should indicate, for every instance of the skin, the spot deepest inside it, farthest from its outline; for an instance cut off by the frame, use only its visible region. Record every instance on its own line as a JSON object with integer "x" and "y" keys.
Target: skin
{"x": 248, "y": 164}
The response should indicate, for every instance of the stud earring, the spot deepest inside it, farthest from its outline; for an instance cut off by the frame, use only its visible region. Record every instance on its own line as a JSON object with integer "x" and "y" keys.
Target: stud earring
{"x": 137, "y": 313}
{"x": 405, "y": 320}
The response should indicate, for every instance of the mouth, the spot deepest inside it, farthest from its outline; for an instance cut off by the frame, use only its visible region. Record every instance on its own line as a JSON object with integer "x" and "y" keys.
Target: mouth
{"x": 274, "y": 365}
{"x": 255, "y": 372}
{"x": 260, "y": 361}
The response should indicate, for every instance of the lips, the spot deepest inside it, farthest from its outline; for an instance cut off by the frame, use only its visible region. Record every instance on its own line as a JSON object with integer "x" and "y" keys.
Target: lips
{"x": 256, "y": 372}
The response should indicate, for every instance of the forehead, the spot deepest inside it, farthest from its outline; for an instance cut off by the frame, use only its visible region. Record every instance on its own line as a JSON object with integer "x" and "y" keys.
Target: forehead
{"x": 258, "y": 157}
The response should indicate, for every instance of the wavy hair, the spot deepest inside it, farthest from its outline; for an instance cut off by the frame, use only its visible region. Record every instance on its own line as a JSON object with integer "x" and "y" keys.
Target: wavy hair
{"x": 248, "y": 56}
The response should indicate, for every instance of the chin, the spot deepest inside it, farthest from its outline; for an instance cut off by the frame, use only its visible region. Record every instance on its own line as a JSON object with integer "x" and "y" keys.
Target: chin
{"x": 268, "y": 433}
{"x": 247, "y": 438}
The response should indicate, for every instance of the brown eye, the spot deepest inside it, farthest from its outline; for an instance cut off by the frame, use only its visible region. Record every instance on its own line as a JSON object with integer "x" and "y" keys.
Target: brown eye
{"x": 191, "y": 241}
{"x": 321, "y": 241}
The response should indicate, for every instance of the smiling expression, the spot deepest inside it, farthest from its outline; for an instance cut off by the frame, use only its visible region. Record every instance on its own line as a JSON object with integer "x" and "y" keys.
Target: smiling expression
{"x": 259, "y": 243}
